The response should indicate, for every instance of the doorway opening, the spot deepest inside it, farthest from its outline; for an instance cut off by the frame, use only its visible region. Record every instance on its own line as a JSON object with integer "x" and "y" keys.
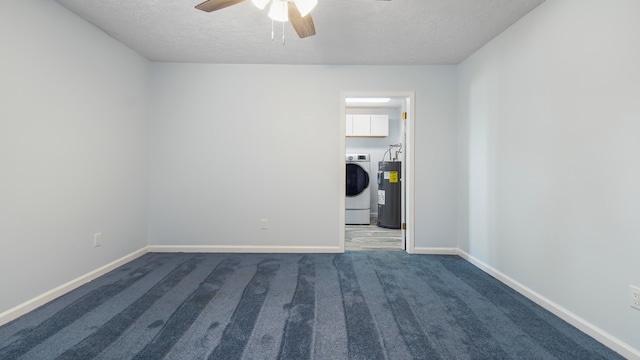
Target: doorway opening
{"x": 377, "y": 144}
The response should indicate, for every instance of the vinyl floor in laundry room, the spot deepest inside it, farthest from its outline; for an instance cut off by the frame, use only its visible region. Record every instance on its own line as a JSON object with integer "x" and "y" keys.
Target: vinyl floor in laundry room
{"x": 372, "y": 237}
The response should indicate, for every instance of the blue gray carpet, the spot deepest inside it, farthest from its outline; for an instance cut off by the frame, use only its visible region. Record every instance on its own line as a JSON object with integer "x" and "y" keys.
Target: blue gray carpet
{"x": 357, "y": 305}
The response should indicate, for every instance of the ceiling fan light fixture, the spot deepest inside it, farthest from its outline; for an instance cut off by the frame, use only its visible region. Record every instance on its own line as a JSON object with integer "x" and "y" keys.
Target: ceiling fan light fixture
{"x": 260, "y": 4}
{"x": 279, "y": 10}
{"x": 305, "y": 6}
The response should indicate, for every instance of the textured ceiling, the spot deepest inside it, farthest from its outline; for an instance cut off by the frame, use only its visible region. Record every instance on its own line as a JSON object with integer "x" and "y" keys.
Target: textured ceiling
{"x": 349, "y": 32}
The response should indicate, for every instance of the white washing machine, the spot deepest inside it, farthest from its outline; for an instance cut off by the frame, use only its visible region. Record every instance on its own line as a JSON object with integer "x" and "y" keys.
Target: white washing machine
{"x": 358, "y": 202}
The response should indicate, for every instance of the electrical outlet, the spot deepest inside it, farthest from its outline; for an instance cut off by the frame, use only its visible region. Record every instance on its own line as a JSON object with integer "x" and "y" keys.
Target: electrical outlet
{"x": 97, "y": 239}
{"x": 635, "y": 297}
{"x": 263, "y": 224}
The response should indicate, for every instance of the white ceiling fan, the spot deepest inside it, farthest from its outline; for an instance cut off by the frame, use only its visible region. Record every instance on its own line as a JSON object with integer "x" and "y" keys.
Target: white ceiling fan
{"x": 298, "y": 12}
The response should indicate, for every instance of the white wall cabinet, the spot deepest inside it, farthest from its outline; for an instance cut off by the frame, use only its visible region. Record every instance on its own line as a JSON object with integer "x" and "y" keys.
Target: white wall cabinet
{"x": 367, "y": 125}
{"x": 379, "y": 125}
{"x": 361, "y": 125}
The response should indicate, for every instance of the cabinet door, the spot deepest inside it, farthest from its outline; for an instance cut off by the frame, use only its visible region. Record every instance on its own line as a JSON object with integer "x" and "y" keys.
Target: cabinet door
{"x": 379, "y": 125}
{"x": 361, "y": 125}
{"x": 349, "y": 125}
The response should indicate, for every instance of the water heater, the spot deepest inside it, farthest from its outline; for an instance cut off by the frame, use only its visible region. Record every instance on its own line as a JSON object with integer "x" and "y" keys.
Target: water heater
{"x": 389, "y": 194}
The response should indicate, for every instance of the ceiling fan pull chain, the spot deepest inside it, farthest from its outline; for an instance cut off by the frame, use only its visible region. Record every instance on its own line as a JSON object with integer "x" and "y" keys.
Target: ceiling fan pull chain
{"x": 272, "y": 37}
{"x": 282, "y": 33}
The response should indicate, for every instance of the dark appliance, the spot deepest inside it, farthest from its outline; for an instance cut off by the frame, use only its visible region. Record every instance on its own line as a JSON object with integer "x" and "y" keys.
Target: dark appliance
{"x": 389, "y": 194}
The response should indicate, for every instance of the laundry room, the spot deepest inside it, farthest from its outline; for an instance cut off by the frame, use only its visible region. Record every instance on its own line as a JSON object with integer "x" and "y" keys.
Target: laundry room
{"x": 375, "y": 136}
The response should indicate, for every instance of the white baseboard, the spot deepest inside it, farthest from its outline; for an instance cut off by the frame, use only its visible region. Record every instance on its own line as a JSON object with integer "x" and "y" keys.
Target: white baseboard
{"x": 245, "y": 249}
{"x": 588, "y": 328}
{"x": 40, "y": 300}
{"x": 435, "y": 251}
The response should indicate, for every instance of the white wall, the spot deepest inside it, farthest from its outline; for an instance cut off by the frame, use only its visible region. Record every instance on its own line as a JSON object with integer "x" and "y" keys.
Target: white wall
{"x": 232, "y": 144}
{"x": 377, "y": 146}
{"x": 73, "y": 149}
{"x": 549, "y": 143}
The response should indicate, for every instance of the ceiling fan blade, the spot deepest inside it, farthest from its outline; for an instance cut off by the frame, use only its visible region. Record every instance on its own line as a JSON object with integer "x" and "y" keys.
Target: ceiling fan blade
{"x": 302, "y": 25}
{"x": 213, "y": 5}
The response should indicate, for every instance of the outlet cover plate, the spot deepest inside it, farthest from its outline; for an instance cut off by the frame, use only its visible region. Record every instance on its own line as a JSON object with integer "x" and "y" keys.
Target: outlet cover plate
{"x": 635, "y": 297}
{"x": 97, "y": 239}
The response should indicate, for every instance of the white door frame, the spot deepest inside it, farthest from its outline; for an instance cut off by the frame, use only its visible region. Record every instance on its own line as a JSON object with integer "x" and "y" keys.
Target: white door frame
{"x": 409, "y": 158}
